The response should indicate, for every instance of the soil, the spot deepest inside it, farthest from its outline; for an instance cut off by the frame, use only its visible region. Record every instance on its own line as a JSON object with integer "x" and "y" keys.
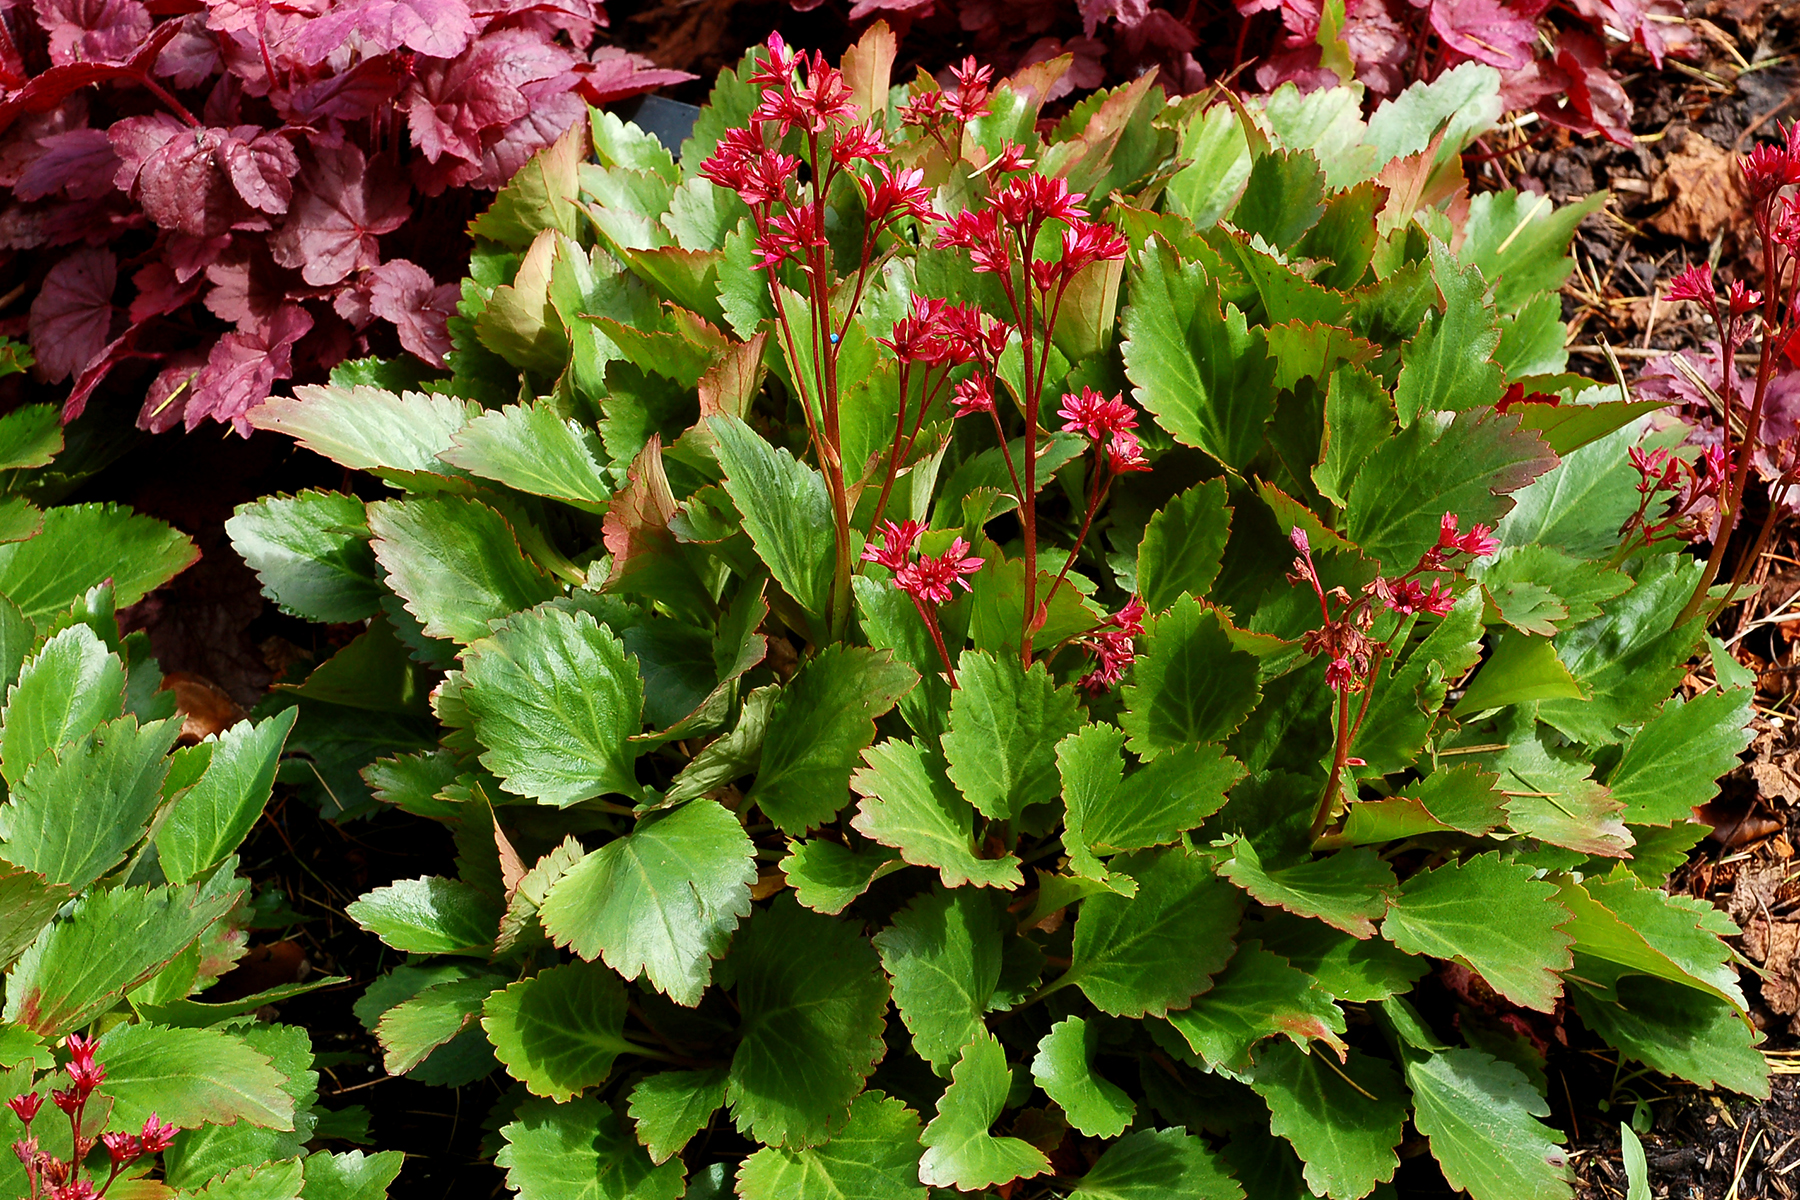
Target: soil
{"x": 1673, "y": 201}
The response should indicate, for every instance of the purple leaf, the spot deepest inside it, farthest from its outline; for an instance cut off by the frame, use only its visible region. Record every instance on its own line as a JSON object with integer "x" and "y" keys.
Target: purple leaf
{"x": 1488, "y": 31}
{"x": 73, "y": 312}
{"x": 438, "y": 28}
{"x": 404, "y": 293}
{"x": 192, "y": 55}
{"x": 79, "y": 163}
{"x": 344, "y": 204}
{"x": 367, "y": 88}
{"x": 93, "y": 31}
{"x": 158, "y": 292}
{"x": 135, "y": 139}
{"x": 449, "y": 104}
{"x": 261, "y": 167}
{"x": 183, "y": 187}
{"x": 612, "y": 74}
{"x": 243, "y": 366}
{"x": 165, "y": 401}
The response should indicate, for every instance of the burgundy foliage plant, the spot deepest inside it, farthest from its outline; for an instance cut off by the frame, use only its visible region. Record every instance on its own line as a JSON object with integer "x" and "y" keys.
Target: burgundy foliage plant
{"x": 245, "y": 190}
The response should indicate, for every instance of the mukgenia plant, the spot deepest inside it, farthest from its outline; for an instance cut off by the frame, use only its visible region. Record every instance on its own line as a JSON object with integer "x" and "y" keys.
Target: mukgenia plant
{"x": 1096, "y": 662}
{"x": 283, "y": 183}
{"x": 120, "y": 899}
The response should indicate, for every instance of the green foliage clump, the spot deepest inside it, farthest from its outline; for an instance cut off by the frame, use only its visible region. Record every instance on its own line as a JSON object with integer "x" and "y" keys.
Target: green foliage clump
{"x": 811, "y": 855}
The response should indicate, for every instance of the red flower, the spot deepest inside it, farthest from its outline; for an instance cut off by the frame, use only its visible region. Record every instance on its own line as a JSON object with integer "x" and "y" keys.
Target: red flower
{"x": 1124, "y": 455}
{"x": 972, "y": 90}
{"x": 1129, "y": 619}
{"x": 919, "y": 336}
{"x": 81, "y": 1049}
{"x": 122, "y": 1148}
{"x": 1408, "y": 597}
{"x": 897, "y": 544}
{"x": 1095, "y": 415}
{"x": 1114, "y": 652}
{"x": 155, "y": 1136}
{"x": 68, "y": 1100}
{"x": 1029, "y": 200}
{"x": 1767, "y": 169}
{"x": 1475, "y": 542}
{"x": 923, "y": 109}
{"x": 1340, "y": 676}
{"x": 27, "y": 1150}
{"x": 1695, "y": 283}
{"x": 859, "y": 143}
{"x": 26, "y": 1107}
{"x": 1742, "y": 299}
{"x": 932, "y": 578}
{"x": 776, "y": 67}
{"x": 1011, "y": 158}
{"x": 75, "y": 1189}
{"x": 973, "y": 395}
{"x": 978, "y": 232}
{"x": 789, "y": 235}
{"x": 897, "y": 192}
{"x": 1087, "y": 242}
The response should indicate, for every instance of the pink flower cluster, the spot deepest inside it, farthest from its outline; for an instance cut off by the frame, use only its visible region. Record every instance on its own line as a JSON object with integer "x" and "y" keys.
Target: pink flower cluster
{"x": 1105, "y": 422}
{"x": 804, "y": 92}
{"x": 928, "y": 579}
{"x": 1115, "y": 648}
{"x": 53, "y": 1178}
{"x": 1343, "y": 639}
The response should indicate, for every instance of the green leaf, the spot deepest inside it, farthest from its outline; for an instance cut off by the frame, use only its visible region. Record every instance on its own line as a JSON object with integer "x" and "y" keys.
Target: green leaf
{"x": 542, "y": 195}
{"x": 1672, "y": 765}
{"x": 456, "y": 563}
{"x": 27, "y": 902}
{"x": 811, "y": 994}
{"x": 200, "y": 1154}
{"x": 959, "y": 1150}
{"x": 191, "y": 1077}
{"x": 670, "y": 1107}
{"x": 83, "y": 546}
{"x": 786, "y": 511}
{"x": 1183, "y": 545}
{"x": 311, "y": 553}
{"x": 1257, "y": 996}
{"x": 281, "y": 1180}
{"x": 1284, "y": 197}
{"x": 1158, "y": 950}
{"x": 559, "y": 1031}
{"x": 1677, "y": 1030}
{"x": 1577, "y": 507}
{"x": 212, "y": 817}
{"x": 1348, "y": 890}
{"x": 1467, "y": 468}
{"x": 1192, "y": 684}
{"x": 1344, "y": 1122}
{"x": 1479, "y": 1114}
{"x": 1647, "y": 930}
{"x": 1520, "y": 670}
{"x": 1461, "y": 104}
{"x": 1630, "y": 657}
{"x": 1218, "y": 165}
{"x": 1494, "y": 918}
{"x": 874, "y": 1157}
{"x": 110, "y": 942}
{"x": 1158, "y": 1164}
{"x": 909, "y": 803}
{"x": 30, "y": 436}
{"x": 1154, "y": 806}
{"x": 1448, "y": 366}
{"x": 1637, "y": 1170}
{"x": 352, "y": 1175}
{"x": 1195, "y": 363}
{"x": 532, "y": 448}
{"x": 822, "y": 720}
{"x": 661, "y": 901}
{"x": 1520, "y": 242}
{"x": 367, "y": 429}
{"x": 730, "y": 756}
{"x": 414, "y": 1030}
{"x": 579, "y": 1151}
{"x": 827, "y": 876}
{"x": 66, "y": 690}
{"x": 556, "y": 701}
{"x": 81, "y": 807}
{"x": 1064, "y": 1068}
{"x": 1352, "y": 969}
{"x": 1005, "y": 722}
{"x": 432, "y": 915}
{"x": 943, "y": 953}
